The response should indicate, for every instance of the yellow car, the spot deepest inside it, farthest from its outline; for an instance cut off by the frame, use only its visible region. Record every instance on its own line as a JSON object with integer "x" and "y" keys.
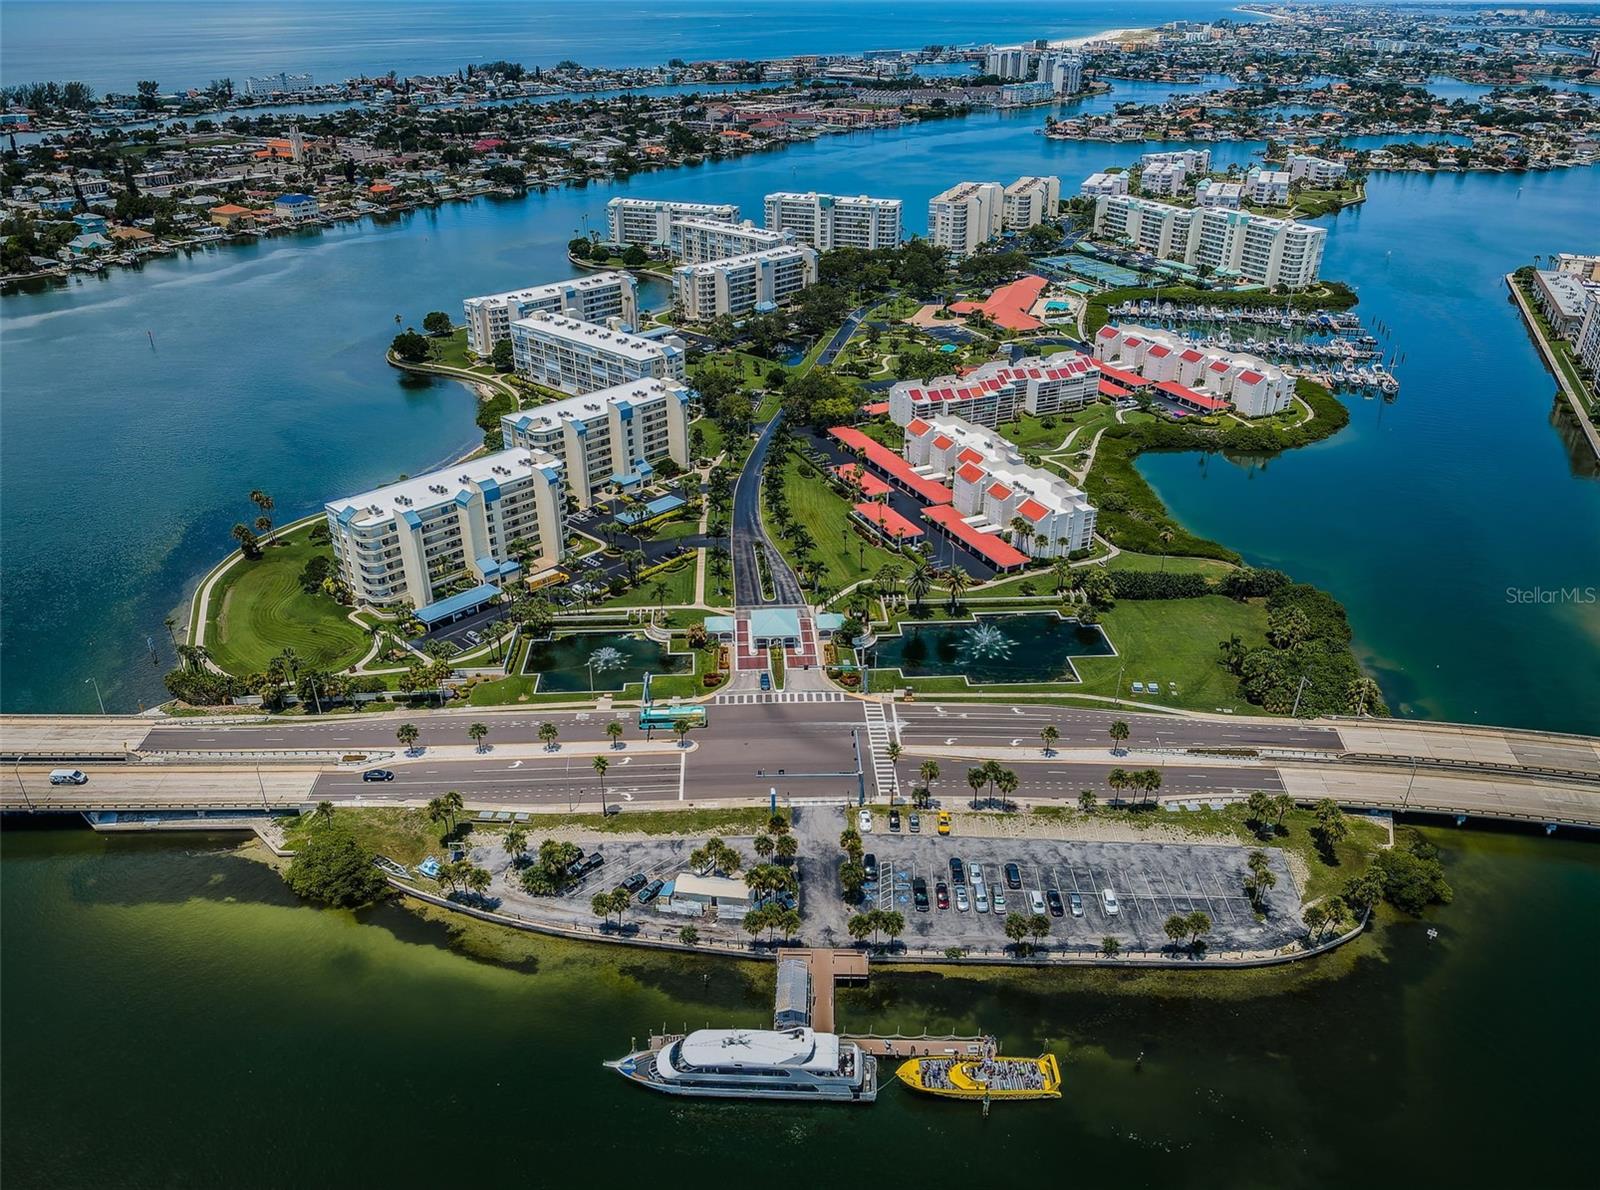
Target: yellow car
{"x": 944, "y": 822}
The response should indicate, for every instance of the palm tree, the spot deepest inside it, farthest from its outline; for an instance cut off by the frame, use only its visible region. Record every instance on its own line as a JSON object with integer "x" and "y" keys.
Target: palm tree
{"x": 601, "y": 764}
{"x": 956, "y": 581}
{"x": 1086, "y": 800}
{"x": 977, "y": 778}
{"x": 407, "y": 734}
{"x": 264, "y": 502}
{"x": 614, "y": 730}
{"x": 765, "y": 846}
{"x": 1049, "y": 733}
{"x": 786, "y": 847}
{"x": 1118, "y": 732}
{"x": 323, "y": 814}
{"x": 1005, "y": 781}
{"x": 547, "y": 735}
{"x": 919, "y": 584}
{"x": 516, "y": 844}
{"x": 929, "y": 772}
{"x": 476, "y": 732}
{"x": 682, "y": 727}
{"x": 1061, "y": 571}
{"x": 1118, "y": 780}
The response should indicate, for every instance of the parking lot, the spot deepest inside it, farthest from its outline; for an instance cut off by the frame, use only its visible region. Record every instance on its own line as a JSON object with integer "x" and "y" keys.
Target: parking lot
{"x": 655, "y": 859}
{"x": 1151, "y": 881}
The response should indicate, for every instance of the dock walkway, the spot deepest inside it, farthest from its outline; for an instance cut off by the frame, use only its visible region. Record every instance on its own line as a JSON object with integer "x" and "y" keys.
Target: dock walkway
{"x": 827, "y": 967}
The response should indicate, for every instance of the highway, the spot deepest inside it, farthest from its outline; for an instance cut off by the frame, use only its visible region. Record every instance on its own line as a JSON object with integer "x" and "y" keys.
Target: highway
{"x": 801, "y": 750}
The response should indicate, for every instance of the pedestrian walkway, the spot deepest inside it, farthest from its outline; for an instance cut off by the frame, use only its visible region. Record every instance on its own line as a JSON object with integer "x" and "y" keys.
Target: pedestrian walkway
{"x": 736, "y": 698}
{"x": 883, "y": 773}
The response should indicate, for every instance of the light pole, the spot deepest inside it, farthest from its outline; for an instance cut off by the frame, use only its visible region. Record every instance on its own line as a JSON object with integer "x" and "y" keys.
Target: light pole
{"x": 1304, "y": 682}
{"x": 96, "y": 685}
{"x": 16, "y": 771}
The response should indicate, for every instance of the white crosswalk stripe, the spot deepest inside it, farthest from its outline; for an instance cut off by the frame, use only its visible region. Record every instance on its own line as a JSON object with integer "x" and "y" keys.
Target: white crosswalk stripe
{"x": 746, "y": 698}
{"x": 878, "y": 743}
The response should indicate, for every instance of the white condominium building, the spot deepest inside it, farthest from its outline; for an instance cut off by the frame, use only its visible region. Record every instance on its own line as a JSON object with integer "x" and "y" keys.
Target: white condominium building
{"x": 828, "y": 221}
{"x": 966, "y": 216}
{"x": 1316, "y": 171}
{"x": 648, "y": 221}
{"x": 997, "y": 392}
{"x": 1581, "y": 265}
{"x": 615, "y": 436}
{"x": 1016, "y": 63}
{"x": 1257, "y": 248}
{"x": 756, "y": 281}
{"x": 1164, "y": 179}
{"x": 400, "y": 543}
{"x": 1103, "y": 183}
{"x": 1194, "y": 161}
{"x": 1209, "y": 192}
{"x": 1064, "y": 73}
{"x": 1587, "y": 340}
{"x": 1562, "y": 297}
{"x": 1253, "y": 386}
{"x": 695, "y": 241}
{"x": 595, "y": 297}
{"x": 1029, "y": 202}
{"x": 995, "y": 491}
{"x": 1268, "y": 187}
{"x": 580, "y": 357}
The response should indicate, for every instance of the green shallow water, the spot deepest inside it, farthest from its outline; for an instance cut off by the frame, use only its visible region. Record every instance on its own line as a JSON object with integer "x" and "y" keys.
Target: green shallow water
{"x": 173, "y": 1018}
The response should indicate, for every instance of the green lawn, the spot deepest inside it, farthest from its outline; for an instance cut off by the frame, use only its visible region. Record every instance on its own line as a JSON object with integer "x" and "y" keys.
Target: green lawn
{"x": 712, "y": 435}
{"x": 1210, "y": 567}
{"x": 679, "y": 583}
{"x": 452, "y": 350}
{"x": 1175, "y": 640}
{"x": 1031, "y": 435}
{"x": 845, "y": 557}
{"x": 257, "y": 609}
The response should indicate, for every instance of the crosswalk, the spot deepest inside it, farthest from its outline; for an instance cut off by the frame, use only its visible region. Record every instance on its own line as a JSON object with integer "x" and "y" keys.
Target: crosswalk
{"x": 737, "y": 698}
{"x": 878, "y": 744}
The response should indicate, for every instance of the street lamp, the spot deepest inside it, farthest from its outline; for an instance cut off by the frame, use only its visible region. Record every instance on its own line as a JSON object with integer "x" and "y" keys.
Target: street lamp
{"x": 1305, "y": 681}
{"x": 96, "y": 685}
{"x": 21, "y": 788}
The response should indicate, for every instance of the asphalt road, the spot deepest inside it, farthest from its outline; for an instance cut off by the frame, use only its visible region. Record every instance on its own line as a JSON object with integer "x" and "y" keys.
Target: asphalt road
{"x": 1047, "y": 779}
{"x": 1007, "y": 726}
{"x": 749, "y": 536}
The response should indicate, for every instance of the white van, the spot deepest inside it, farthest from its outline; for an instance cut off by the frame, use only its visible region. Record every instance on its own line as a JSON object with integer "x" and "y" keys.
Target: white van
{"x": 68, "y": 777}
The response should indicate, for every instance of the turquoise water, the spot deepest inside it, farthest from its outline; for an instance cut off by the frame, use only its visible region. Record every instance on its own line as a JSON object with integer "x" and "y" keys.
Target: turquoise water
{"x": 174, "y": 1019}
{"x": 124, "y": 464}
{"x": 1025, "y": 648}
{"x": 616, "y": 659}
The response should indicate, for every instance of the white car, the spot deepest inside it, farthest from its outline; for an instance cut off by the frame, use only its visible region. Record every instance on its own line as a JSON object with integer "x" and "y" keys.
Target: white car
{"x": 962, "y": 903}
{"x": 980, "y": 898}
{"x": 1000, "y": 902}
{"x": 975, "y": 873}
{"x": 864, "y": 821}
{"x": 1108, "y": 898}
{"x": 1036, "y": 901}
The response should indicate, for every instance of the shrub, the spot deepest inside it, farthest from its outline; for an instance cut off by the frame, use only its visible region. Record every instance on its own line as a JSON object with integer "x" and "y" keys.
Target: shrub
{"x": 335, "y": 871}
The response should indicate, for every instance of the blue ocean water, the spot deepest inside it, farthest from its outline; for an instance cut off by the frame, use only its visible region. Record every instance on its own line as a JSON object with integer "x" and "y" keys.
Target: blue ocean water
{"x": 110, "y": 44}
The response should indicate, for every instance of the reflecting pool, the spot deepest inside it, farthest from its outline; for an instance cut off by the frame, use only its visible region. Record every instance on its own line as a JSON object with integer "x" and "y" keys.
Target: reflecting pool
{"x": 1034, "y": 647}
{"x": 614, "y": 659}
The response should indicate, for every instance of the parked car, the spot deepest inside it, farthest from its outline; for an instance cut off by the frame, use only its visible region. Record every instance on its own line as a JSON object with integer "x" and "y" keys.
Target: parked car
{"x": 1056, "y": 908}
{"x": 914, "y": 822}
{"x": 369, "y": 775}
{"x": 1076, "y": 901}
{"x": 869, "y": 861}
{"x": 944, "y": 822}
{"x": 1000, "y": 902}
{"x": 766, "y": 680}
{"x": 977, "y": 873}
{"x": 1036, "y": 901}
{"x": 958, "y": 871}
{"x": 474, "y": 636}
{"x": 1108, "y": 898}
{"x": 864, "y": 821}
{"x": 962, "y": 904}
{"x": 894, "y": 819}
{"x": 980, "y": 898}
{"x": 635, "y": 882}
{"x": 585, "y": 864}
{"x": 1013, "y": 876}
{"x": 941, "y": 894}
{"x": 651, "y": 891}
{"x": 919, "y": 894}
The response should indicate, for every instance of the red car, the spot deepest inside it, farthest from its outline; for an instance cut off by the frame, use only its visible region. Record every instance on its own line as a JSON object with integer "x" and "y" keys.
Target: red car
{"x": 941, "y": 894}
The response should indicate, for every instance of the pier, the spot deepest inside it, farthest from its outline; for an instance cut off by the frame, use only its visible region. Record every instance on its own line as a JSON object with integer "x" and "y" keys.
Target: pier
{"x": 807, "y": 978}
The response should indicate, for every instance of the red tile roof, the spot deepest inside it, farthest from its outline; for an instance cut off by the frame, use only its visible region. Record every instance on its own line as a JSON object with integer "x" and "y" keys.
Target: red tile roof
{"x": 1192, "y": 356}
{"x": 1159, "y": 351}
{"x": 999, "y": 491}
{"x": 870, "y": 484}
{"x": 1122, "y": 376}
{"x": 1250, "y": 377}
{"x": 886, "y": 461}
{"x": 1032, "y": 510}
{"x": 887, "y": 521}
{"x": 1106, "y": 332}
{"x": 917, "y": 427}
{"x": 1188, "y": 396}
{"x": 987, "y": 546}
{"x": 1107, "y": 389}
{"x": 970, "y": 456}
{"x": 971, "y": 473}
{"x": 943, "y": 442}
{"x": 876, "y": 408}
{"x": 1008, "y": 306}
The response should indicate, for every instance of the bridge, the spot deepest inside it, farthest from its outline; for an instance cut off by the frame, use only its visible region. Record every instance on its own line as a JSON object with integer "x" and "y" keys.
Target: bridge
{"x": 799, "y": 749}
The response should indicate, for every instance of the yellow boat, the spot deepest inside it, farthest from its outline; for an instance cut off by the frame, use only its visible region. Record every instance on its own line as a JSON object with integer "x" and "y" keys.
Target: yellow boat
{"x": 984, "y": 1078}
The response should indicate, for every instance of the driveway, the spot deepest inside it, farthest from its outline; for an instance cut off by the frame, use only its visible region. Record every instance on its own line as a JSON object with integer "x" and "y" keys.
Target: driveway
{"x": 749, "y": 536}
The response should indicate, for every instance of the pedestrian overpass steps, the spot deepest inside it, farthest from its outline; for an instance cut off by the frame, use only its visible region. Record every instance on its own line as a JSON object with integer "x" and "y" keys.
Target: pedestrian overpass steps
{"x": 883, "y": 773}
{"x": 737, "y": 698}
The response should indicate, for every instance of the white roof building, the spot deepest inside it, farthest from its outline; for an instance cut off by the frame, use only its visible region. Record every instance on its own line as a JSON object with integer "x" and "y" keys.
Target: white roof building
{"x": 580, "y": 357}
{"x": 1103, "y": 183}
{"x": 828, "y": 221}
{"x": 594, "y": 297}
{"x": 1030, "y": 201}
{"x": 966, "y": 216}
{"x": 697, "y": 241}
{"x": 995, "y": 392}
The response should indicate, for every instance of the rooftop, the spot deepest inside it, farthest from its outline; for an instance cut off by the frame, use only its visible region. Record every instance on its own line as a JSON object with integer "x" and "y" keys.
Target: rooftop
{"x": 437, "y": 488}
{"x": 762, "y": 1047}
{"x": 880, "y": 456}
{"x": 572, "y": 330}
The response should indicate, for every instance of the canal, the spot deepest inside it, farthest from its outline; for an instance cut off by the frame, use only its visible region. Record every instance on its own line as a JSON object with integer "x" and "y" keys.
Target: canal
{"x": 174, "y": 1018}
{"x": 141, "y": 408}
